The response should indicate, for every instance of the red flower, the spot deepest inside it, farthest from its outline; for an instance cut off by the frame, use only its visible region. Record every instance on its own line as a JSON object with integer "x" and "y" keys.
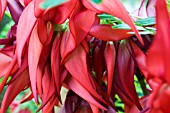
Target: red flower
{"x": 158, "y": 61}
{"x": 3, "y": 4}
{"x": 46, "y": 57}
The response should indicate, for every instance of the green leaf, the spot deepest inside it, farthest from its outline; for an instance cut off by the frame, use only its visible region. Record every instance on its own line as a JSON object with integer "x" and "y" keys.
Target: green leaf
{"x": 97, "y": 1}
{"x": 109, "y": 19}
{"x": 151, "y": 28}
{"x": 51, "y": 3}
{"x": 106, "y": 16}
{"x": 5, "y": 25}
{"x": 168, "y": 4}
{"x": 5, "y": 20}
{"x": 119, "y": 104}
{"x": 144, "y": 32}
{"x": 146, "y": 21}
{"x": 125, "y": 26}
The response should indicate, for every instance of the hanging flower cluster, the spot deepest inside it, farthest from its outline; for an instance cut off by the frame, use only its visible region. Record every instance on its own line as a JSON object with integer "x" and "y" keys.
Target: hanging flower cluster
{"x": 68, "y": 45}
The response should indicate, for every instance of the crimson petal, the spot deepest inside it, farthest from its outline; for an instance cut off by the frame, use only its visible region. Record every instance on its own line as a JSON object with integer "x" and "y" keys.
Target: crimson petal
{"x": 11, "y": 67}
{"x": 3, "y": 4}
{"x": 126, "y": 70}
{"x": 140, "y": 59}
{"x": 76, "y": 65}
{"x": 14, "y": 89}
{"x": 34, "y": 51}
{"x": 5, "y": 62}
{"x": 69, "y": 47}
{"x": 64, "y": 11}
{"x": 158, "y": 56}
{"x": 26, "y": 23}
{"x": 24, "y": 2}
{"x": 37, "y": 10}
{"x": 48, "y": 87}
{"x": 55, "y": 63}
{"x": 41, "y": 66}
{"x": 110, "y": 55}
{"x": 98, "y": 60}
{"x": 82, "y": 92}
{"x": 81, "y": 23}
{"x": 107, "y": 33}
{"x": 45, "y": 31}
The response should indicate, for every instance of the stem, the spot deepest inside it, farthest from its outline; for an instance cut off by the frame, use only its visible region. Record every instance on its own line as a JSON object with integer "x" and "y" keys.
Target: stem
{"x": 142, "y": 83}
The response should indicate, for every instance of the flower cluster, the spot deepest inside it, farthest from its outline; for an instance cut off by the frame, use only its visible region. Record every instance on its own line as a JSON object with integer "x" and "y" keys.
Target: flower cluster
{"x": 67, "y": 45}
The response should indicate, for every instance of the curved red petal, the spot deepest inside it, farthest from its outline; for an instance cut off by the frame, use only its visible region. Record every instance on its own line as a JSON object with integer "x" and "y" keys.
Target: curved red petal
{"x": 3, "y": 4}
{"x": 64, "y": 11}
{"x": 55, "y": 63}
{"x": 45, "y": 31}
{"x": 158, "y": 56}
{"x": 107, "y": 33}
{"x": 14, "y": 89}
{"x": 81, "y": 23}
{"x": 110, "y": 56}
{"x": 82, "y": 92}
{"x": 77, "y": 65}
{"x": 34, "y": 52}
{"x": 126, "y": 69}
{"x": 26, "y": 23}
{"x": 5, "y": 62}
